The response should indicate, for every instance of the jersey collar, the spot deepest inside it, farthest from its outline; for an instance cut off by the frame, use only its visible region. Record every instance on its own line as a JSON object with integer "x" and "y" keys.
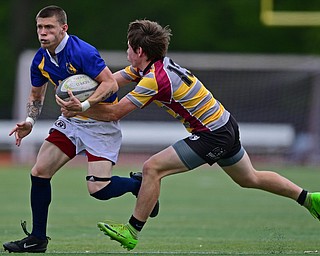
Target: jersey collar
{"x": 145, "y": 71}
{"x": 59, "y": 48}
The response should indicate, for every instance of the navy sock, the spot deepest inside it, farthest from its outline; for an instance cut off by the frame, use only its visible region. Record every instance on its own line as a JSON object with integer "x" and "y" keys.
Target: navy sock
{"x": 40, "y": 200}
{"x": 117, "y": 187}
{"x": 135, "y": 223}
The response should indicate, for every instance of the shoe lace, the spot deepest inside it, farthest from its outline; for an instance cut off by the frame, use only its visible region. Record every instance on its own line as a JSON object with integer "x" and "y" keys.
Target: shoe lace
{"x": 24, "y": 228}
{"x": 125, "y": 229}
{"x": 117, "y": 227}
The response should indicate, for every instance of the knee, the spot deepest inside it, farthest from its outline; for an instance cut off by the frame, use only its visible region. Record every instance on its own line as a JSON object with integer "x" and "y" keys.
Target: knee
{"x": 248, "y": 182}
{"x": 153, "y": 170}
{"x": 37, "y": 171}
{"x": 149, "y": 169}
{"x": 92, "y": 188}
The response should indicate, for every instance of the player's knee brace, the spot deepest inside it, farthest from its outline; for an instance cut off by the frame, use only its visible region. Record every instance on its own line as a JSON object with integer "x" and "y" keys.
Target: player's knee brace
{"x": 117, "y": 187}
{"x": 103, "y": 194}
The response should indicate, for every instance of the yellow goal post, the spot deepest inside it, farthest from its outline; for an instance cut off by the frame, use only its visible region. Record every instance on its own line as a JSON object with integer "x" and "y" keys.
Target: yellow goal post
{"x": 271, "y": 17}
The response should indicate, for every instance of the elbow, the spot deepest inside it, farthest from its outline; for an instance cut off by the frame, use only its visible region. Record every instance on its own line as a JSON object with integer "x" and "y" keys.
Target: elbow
{"x": 113, "y": 88}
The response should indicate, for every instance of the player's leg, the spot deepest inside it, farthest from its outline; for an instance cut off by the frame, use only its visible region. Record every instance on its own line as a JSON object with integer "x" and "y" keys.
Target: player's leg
{"x": 103, "y": 186}
{"x": 162, "y": 164}
{"x": 102, "y": 142}
{"x": 244, "y": 174}
{"x": 49, "y": 160}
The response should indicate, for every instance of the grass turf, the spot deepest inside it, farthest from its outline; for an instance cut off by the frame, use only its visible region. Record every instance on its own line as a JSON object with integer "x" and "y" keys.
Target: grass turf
{"x": 201, "y": 213}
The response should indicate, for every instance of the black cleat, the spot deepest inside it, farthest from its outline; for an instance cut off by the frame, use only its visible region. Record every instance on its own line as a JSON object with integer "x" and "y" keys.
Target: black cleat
{"x": 28, "y": 244}
{"x": 138, "y": 176}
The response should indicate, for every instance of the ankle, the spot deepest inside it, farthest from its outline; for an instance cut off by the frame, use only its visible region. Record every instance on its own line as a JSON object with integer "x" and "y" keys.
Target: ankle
{"x": 307, "y": 202}
{"x": 132, "y": 230}
{"x": 136, "y": 224}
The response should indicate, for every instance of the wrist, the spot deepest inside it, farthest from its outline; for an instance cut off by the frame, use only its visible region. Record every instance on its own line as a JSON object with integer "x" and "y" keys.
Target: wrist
{"x": 30, "y": 120}
{"x": 85, "y": 105}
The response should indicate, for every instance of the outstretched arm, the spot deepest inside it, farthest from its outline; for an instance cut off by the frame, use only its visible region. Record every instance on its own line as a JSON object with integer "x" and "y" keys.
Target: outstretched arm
{"x": 34, "y": 107}
{"x": 74, "y": 106}
{"x": 106, "y": 112}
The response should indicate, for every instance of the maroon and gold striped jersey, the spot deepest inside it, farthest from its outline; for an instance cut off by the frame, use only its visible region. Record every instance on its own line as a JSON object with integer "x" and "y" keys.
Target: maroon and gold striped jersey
{"x": 179, "y": 92}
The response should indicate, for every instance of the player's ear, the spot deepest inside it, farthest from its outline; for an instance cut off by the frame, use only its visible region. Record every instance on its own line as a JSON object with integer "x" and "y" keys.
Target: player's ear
{"x": 65, "y": 27}
{"x": 140, "y": 51}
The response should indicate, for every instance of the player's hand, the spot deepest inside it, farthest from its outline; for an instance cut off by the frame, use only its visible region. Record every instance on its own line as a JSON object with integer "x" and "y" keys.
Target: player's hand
{"x": 20, "y": 131}
{"x": 73, "y": 104}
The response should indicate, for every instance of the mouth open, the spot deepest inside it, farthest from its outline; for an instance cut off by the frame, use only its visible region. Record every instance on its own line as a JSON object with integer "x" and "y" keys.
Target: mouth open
{"x": 44, "y": 41}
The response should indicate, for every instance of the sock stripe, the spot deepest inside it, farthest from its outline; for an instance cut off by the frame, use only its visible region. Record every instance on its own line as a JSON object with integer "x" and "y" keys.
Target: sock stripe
{"x": 302, "y": 197}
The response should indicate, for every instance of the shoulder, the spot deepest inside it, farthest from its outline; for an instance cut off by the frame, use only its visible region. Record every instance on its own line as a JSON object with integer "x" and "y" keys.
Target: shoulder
{"x": 78, "y": 43}
{"x": 78, "y": 49}
{"x": 40, "y": 52}
{"x": 39, "y": 55}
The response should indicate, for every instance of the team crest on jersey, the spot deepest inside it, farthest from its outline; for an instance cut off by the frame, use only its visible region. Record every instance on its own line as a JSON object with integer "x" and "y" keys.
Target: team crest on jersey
{"x": 194, "y": 137}
{"x": 71, "y": 69}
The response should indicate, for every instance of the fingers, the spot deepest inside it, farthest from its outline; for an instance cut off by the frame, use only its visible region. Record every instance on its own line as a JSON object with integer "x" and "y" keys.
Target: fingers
{"x": 64, "y": 103}
{"x": 73, "y": 101}
{"x": 13, "y": 131}
{"x": 18, "y": 140}
{"x": 60, "y": 102}
{"x": 73, "y": 104}
{"x": 20, "y": 131}
{"x": 16, "y": 135}
{"x": 71, "y": 94}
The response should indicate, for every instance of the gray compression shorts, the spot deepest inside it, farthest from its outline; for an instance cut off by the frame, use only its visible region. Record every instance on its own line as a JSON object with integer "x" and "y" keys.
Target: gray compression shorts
{"x": 192, "y": 160}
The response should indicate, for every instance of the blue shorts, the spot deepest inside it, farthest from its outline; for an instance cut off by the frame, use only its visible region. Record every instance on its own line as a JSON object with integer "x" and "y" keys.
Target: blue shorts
{"x": 221, "y": 146}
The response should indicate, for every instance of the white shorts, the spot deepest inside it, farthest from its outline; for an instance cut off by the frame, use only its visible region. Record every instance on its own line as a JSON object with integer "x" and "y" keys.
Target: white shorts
{"x": 101, "y": 139}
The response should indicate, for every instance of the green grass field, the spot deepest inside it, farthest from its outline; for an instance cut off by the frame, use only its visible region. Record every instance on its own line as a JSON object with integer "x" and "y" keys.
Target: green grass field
{"x": 202, "y": 213}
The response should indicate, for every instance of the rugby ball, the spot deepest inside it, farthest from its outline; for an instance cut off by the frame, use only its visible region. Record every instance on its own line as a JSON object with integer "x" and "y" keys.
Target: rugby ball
{"x": 82, "y": 87}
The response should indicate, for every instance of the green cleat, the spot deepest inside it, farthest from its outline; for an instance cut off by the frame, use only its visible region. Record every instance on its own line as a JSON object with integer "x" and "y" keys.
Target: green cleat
{"x": 314, "y": 207}
{"x": 120, "y": 233}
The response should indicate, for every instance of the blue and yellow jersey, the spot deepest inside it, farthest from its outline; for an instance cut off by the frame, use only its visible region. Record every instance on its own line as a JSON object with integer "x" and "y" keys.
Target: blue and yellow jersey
{"x": 179, "y": 92}
{"x": 73, "y": 56}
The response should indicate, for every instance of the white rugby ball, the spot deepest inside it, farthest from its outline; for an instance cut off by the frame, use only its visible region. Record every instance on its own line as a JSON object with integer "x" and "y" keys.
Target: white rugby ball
{"x": 82, "y": 87}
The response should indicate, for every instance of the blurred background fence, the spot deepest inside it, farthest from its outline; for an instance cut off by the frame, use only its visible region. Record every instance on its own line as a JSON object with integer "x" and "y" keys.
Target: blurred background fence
{"x": 260, "y": 58}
